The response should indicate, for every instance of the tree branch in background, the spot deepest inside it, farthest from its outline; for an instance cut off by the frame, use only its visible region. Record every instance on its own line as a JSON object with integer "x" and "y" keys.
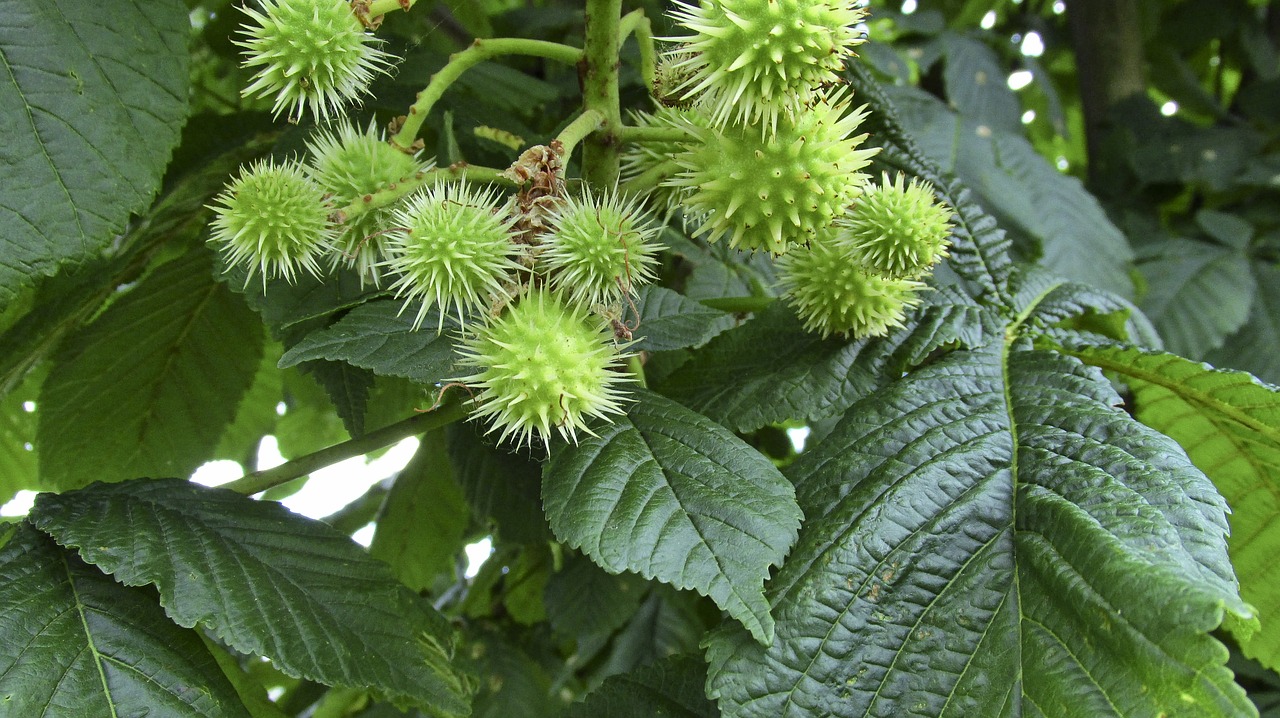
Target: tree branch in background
{"x": 1107, "y": 38}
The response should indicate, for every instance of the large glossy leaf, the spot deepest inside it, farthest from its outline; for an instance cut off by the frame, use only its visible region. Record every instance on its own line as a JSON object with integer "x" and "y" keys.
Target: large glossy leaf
{"x": 148, "y": 388}
{"x": 74, "y": 643}
{"x": 803, "y": 376}
{"x": 666, "y": 493}
{"x": 379, "y": 336}
{"x": 265, "y": 581}
{"x": 991, "y": 536}
{"x": 1198, "y": 293}
{"x": 94, "y": 96}
{"x": 1229, "y": 424}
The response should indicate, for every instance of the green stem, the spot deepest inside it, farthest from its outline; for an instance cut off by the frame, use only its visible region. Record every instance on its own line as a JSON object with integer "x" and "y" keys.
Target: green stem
{"x": 651, "y": 178}
{"x": 260, "y": 481}
{"x": 637, "y": 23}
{"x": 631, "y": 133}
{"x": 480, "y": 50}
{"x": 382, "y": 7}
{"x": 573, "y": 133}
{"x": 407, "y": 186}
{"x": 636, "y": 367}
{"x": 601, "y": 151}
{"x": 739, "y": 305}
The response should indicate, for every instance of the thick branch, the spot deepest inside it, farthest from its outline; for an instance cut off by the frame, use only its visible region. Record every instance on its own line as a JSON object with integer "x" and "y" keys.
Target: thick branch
{"x": 1107, "y": 38}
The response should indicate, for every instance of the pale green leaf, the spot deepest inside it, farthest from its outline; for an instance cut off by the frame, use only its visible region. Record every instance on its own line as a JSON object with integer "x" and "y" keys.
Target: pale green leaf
{"x": 147, "y": 389}
{"x": 668, "y": 494}
{"x": 266, "y": 582}
{"x": 1229, "y": 424}
{"x": 74, "y": 643}
{"x": 94, "y": 96}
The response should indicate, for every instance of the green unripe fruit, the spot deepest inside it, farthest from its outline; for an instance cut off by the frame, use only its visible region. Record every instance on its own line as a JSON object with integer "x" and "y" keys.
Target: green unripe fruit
{"x": 897, "y": 230}
{"x": 274, "y": 219}
{"x": 756, "y": 60}
{"x": 767, "y": 191}
{"x": 543, "y": 364}
{"x": 639, "y": 158}
{"x": 311, "y": 54}
{"x": 599, "y": 248}
{"x": 833, "y": 295}
{"x": 349, "y": 164}
{"x": 454, "y": 251}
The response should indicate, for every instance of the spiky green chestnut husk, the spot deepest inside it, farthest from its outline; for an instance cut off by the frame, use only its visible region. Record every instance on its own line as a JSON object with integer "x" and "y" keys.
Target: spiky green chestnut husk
{"x": 309, "y": 54}
{"x": 754, "y": 61}
{"x": 833, "y": 295}
{"x": 765, "y": 192}
{"x": 897, "y": 229}
{"x": 274, "y": 219}
{"x": 349, "y": 164}
{"x": 641, "y": 157}
{"x": 599, "y": 248}
{"x": 543, "y": 364}
{"x": 453, "y": 251}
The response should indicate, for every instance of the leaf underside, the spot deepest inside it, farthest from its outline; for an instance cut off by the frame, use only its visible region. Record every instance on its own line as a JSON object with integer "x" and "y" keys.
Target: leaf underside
{"x": 265, "y": 581}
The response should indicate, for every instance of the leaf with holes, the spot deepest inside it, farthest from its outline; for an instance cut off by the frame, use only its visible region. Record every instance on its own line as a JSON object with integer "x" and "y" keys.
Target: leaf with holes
{"x": 265, "y": 581}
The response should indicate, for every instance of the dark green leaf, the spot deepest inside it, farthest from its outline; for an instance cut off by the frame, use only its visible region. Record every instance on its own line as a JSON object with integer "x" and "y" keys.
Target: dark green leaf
{"x": 803, "y": 376}
{"x": 979, "y": 249}
{"x": 976, "y": 84}
{"x": 265, "y": 581}
{"x": 671, "y": 687}
{"x": 583, "y": 600}
{"x": 1254, "y": 347}
{"x": 1229, "y": 424}
{"x": 380, "y": 337}
{"x": 148, "y": 388}
{"x": 1198, "y": 293}
{"x": 512, "y": 682}
{"x": 669, "y": 320}
{"x": 991, "y": 536}
{"x": 424, "y": 518}
{"x": 502, "y": 488}
{"x": 348, "y": 388}
{"x": 1074, "y": 235}
{"x": 668, "y": 623}
{"x": 74, "y": 643}
{"x": 94, "y": 97}
{"x": 666, "y": 493}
